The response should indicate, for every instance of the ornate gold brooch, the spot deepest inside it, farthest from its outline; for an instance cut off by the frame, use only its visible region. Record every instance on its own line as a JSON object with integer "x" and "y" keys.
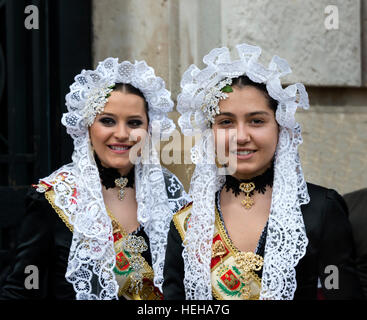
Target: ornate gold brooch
{"x": 135, "y": 246}
{"x": 247, "y": 188}
{"x": 248, "y": 262}
{"x": 121, "y": 183}
{"x": 218, "y": 249}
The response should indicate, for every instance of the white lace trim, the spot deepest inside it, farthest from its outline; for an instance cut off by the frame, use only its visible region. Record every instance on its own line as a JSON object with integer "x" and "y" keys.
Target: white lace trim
{"x": 109, "y": 72}
{"x": 92, "y": 255}
{"x": 159, "y": 195}
{"x": 286, "y": 236}
{"x": 156, "y": 205}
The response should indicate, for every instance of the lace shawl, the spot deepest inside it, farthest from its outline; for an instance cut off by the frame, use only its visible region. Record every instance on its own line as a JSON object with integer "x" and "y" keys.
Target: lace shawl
{"x": 286, "y": 236}
{"x": 92, "y": 257}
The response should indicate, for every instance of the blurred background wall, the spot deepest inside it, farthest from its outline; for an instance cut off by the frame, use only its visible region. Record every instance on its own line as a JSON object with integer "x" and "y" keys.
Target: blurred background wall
{"x": 325, "y": 46}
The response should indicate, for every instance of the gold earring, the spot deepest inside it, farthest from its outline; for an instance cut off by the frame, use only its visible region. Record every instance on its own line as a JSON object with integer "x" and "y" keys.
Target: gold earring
{"x": 218, "y": 164}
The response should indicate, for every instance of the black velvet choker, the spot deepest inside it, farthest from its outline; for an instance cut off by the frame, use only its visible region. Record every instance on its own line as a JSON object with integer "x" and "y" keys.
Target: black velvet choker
{"x": 109, "y": 175}
{"x": 260, "y": 182}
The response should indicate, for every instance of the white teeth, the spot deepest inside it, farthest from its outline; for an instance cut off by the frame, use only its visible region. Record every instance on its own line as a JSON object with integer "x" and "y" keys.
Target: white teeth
{"x": 119, "y": 148}
{"x": 244, "y": 153}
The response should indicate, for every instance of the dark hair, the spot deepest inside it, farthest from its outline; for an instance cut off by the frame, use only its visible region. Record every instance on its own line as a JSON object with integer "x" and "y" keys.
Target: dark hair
{"x": 128, "y": 88}
{"x": 244, "y": 81}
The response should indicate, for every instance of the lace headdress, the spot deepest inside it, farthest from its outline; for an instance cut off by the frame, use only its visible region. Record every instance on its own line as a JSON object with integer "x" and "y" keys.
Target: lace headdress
{"x": 286, "y": 236}
{"x": 92, "y": 255}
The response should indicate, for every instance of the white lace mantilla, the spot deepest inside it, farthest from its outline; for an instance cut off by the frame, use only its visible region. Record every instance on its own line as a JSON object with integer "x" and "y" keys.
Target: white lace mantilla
{"x": 159, "y": 194}
{"x": 92, "y": 256}
{"x": 286, "y": 236}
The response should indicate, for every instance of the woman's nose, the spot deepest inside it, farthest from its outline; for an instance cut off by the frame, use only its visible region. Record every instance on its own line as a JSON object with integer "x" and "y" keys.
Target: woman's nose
{"x": 242, "y": 134}
{"x": 121, "y": 132}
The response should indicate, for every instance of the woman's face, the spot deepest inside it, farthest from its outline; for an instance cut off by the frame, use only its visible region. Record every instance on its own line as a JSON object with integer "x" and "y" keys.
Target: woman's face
{"x": 246, "y": 131}
{"x": 114, "y": 132}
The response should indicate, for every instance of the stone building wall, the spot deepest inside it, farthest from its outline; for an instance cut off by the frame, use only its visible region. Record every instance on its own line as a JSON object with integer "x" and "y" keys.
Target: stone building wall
{"x": 332, "y": 63}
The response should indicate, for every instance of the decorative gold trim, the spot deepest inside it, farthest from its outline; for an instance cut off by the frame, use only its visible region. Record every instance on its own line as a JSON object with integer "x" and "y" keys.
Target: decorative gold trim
{"x": 50, "y": 196}
{"x": 218, "y": 249}
{"x": 176, "y": 221}
{"x": 148, "y": 272}
{"x": 217, "y": 296}
{"x": 223, "y": 233}
{"x": 221, "y": 230}
{"x": 179, "y": 221}
{"x": 233, "y": 251}
{"x": 124, "y": 234}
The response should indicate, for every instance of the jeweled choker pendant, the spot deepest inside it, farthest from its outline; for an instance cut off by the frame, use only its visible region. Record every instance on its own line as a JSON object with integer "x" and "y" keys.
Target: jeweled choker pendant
{"x": 121, "y": 183}
{"x": 247, "y": 188}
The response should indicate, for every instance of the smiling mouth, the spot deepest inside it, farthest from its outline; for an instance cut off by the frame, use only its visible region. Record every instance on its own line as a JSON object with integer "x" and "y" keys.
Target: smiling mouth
{"x": 243, "y": 152}
{"x": 120, "y": 148}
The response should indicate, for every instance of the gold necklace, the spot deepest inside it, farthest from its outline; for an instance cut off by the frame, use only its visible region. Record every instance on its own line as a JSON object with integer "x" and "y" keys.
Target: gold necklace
{"x": 121, "y": 183}
{"x": 247, "y": 188}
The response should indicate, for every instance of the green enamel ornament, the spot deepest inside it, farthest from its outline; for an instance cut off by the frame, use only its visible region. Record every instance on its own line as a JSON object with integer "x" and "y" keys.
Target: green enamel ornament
{"x": 227, "y": 89}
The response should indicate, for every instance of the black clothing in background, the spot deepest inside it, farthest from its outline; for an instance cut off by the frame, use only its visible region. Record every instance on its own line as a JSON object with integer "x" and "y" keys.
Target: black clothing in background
{"x": 357, "y": 205}
{"x": 330, "y": 243}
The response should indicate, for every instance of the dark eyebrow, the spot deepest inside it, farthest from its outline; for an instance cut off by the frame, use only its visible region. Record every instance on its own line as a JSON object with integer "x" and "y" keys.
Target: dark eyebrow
{"x": 113, "y": 115}
{"x": 251, "y": 114}
{"x": 228, "y": 114}
{"x": 107, "y": 114}
{"x": 135, "y": 116}
{"x": 257, "y": 113}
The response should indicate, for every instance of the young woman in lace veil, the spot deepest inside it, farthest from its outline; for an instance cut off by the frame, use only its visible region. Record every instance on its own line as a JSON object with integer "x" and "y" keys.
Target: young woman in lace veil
{"x": 96, "y": 228}
{"x": 255, "y": 228}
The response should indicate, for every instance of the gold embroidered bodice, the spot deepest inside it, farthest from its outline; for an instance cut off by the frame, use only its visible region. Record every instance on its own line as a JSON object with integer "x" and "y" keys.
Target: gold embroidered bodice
{"x": 123, "y": 269}
{"x": 233, "y": 273}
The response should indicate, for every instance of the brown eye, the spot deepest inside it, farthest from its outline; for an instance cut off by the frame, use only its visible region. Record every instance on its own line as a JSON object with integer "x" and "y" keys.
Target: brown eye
{"x": 225, "y": 122}
{"x": 107, "y": 121}
{"x": 135, "y": 123}
{"x": 257, "y": 121}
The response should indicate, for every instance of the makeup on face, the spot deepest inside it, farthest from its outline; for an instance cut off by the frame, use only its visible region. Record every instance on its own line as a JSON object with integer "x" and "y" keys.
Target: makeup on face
{"x": 247, "y": 130}
{"x": 115, "y": 131}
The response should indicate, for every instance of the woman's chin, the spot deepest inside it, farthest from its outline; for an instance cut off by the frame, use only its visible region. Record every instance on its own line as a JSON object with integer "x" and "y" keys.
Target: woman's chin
{"x": 245, "y": 173}
{"x": 121, "y": 166}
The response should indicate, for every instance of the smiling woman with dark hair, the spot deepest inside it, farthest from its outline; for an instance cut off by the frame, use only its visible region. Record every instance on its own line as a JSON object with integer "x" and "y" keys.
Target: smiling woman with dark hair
{"x": 255, "y": 228}
{"x": 97, "y": 228}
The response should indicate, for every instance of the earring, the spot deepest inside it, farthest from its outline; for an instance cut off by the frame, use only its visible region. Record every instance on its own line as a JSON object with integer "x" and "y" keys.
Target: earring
{"x": 218, "y": 164}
